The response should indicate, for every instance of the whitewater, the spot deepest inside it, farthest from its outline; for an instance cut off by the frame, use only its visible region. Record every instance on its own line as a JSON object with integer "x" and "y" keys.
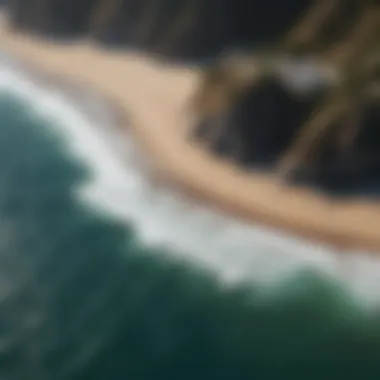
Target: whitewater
{"x": 121, "y": 186}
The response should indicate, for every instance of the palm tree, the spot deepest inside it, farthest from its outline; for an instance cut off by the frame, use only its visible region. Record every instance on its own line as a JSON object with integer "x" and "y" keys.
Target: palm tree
{"x": 345, "y": 49}
{"x": 342, "y": 105}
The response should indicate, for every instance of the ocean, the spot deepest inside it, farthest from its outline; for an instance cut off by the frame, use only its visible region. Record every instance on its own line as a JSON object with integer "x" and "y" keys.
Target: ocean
{"x": 105, "y": 274}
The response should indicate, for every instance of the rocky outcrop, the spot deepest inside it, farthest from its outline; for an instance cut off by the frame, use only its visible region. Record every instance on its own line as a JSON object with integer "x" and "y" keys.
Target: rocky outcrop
{"x": 254, "y": 122}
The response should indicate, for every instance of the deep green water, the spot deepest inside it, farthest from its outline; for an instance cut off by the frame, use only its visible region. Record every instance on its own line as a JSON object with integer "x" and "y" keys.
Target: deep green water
{"x": 81, "y": 298}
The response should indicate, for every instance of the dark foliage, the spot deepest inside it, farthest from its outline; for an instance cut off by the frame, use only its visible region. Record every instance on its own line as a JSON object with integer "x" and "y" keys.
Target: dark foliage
{"x": 181, "y": 29}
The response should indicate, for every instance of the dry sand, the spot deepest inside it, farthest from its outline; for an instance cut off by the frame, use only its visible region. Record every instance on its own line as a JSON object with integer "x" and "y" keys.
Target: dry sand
{"x": 153, "y": 96}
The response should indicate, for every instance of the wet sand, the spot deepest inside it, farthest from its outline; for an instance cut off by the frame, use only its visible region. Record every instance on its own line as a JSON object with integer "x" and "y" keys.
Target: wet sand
{"x": 154, "y": 95}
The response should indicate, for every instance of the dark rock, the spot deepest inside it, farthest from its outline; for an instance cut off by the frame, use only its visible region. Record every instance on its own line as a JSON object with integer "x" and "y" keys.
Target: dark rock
{"x": 180, "y": 29}
{"x": 262, "y": 123}
{"x": 259, "y": 128}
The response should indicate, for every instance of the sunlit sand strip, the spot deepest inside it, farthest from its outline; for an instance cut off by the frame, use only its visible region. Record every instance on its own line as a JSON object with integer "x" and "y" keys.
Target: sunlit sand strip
{"x": 155, "y": 96}
{"x": 237, "y": 251}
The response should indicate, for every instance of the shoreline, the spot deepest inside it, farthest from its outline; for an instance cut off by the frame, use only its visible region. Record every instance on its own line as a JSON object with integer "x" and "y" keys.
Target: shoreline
{"x": 135, "y": 83}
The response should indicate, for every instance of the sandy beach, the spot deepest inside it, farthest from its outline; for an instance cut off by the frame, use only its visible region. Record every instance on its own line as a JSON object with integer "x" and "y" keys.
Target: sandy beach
{"x": 154, "y": 95}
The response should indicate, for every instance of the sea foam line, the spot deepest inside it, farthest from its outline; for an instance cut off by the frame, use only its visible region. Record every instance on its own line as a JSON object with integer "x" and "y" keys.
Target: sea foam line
{"x": 234, "y": 250}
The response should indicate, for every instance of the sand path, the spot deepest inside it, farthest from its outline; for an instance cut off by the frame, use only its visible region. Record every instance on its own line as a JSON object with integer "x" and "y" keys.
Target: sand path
{"x": 153, "y": 95}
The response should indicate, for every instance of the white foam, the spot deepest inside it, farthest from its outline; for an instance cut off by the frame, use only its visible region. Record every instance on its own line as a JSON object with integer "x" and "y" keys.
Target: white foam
{"x": 233, "y": 250}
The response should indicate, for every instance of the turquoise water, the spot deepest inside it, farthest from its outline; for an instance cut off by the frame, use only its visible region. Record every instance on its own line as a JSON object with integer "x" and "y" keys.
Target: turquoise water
{"x": 83, "y": 298}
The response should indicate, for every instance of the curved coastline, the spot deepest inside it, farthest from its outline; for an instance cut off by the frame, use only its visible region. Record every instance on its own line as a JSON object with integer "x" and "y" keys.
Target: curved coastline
{"x": 287, "y": 254}
{"x": 232, "y": 325}
{"x": 134, "y": 81}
